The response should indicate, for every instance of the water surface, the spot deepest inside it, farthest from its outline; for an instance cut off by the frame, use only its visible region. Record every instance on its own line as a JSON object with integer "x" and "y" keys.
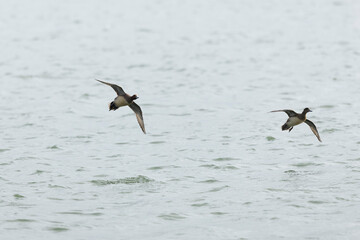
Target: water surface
{"x": 214, "y": 164}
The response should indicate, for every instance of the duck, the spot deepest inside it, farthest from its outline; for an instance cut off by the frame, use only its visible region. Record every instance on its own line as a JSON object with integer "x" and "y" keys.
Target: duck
{"x": 297, "y": 118}
{"x": 124, "y": 99}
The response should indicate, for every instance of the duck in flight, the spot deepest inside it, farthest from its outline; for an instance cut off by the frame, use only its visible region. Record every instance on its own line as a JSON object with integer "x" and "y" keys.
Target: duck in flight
{"x": 297, "y": 118}
{"x": 124, "y": 99}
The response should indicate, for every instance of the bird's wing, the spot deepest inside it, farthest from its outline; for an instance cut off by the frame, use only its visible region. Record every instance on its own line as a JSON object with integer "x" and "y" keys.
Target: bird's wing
{"x": 138, "y": 113}
{"x": 119, "y": 91}
{"x": 313, "y": 128}
{"x": 290, "y": 113}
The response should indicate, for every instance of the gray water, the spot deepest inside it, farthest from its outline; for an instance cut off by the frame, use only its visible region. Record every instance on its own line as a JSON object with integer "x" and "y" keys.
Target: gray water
{"x": 215, "y": 163}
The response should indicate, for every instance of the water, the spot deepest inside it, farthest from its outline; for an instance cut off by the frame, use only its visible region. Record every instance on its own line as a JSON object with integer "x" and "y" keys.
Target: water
{"x": 214, "y": 164}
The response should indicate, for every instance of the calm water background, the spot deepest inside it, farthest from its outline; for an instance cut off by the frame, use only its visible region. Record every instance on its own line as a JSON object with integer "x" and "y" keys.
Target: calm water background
{"x": 214, "y": 164}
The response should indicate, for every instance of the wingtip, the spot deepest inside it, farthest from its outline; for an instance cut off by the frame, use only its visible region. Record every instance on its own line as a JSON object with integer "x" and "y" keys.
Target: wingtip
{"x": 143, "y": 128}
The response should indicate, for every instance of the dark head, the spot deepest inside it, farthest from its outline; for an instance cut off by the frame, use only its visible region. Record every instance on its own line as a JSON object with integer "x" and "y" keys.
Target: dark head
{"x": 112, "y": 106}
{"x": 306, "y": 110}
{"x": 134, "y": 97}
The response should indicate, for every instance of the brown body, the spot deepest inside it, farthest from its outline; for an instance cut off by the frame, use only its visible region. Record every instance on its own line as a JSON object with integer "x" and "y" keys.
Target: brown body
{"x": 124, "y": 99}
{"x": 297, "y": 118}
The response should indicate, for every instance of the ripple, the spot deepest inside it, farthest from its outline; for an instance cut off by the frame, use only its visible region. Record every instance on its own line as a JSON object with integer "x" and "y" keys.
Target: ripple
{"x": 275, "y": 190}
{"x": 209, "y": 181}
{"x": 133, "y": 66}
{"x": 205, "y": 110}
{"x": 291, "y": 172}
{"x": 330, "y": 130}
{"x": 101, "y": 175}
{"x": 316, "y": 202}
{"x": 156, "y": 168}
{"x": 22, "y": 220}
{"x": 296, "y": 206}
{"x": 306, "y": 144}
{"x": 55, "y": 199}
{"x": 217, "y": 189}
{"x": 213, "y": 166}
{"x": 3, "y": 179}
{"x": 85, "y": 96}
{"x": 37, "y": 172}
{"x": 180, "y": 114}
{"x": 218, "y": 213}
{"x": 230, "y": 167}
{"x": 55, "y": 186}
{"x": 306, "y": 164}
{"x": 5, "y": 163}
{"x": 53, "y": 147}
{"x": 128, "y": 180}
{"x": 80, "y": 213}
{"x": 157, "y": 142}
{"x": 342, "y": 199}
{"x": 115, "y": 155}
{"x": 171, "y": 216}
{"x": 270, "y": 138}
{"x": 83, "y": 136}
{"x": 162, "y": 167}
{"x": 18, "y": 196}
{"x": 276, "y": 149}
{"x": 199, "y": 204}
{"x": 58, "y": 229}
{"x": 224, "y": 159}
{"x": 210, "y": 166}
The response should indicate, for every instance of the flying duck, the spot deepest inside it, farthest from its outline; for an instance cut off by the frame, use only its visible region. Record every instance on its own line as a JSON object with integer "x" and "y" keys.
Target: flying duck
{"x": 124, "y": 99}
{"x": 297, "y": 118}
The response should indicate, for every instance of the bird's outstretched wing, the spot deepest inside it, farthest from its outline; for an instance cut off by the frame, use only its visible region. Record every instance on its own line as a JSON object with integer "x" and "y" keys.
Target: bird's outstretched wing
{"x": 138, "y": 113}
{"x": 313, "y": 128}
{"x": 290, "y": 113}
{"x": 119, "y": 91}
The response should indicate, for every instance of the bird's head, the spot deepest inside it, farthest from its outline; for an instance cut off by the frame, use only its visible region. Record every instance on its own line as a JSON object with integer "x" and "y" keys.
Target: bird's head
{"x": 306, "y": 110}
{"x": 134, "y": 97}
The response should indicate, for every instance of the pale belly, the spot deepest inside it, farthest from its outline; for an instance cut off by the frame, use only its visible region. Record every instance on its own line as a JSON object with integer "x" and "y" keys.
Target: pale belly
{"x": 120, "y": 101}
{"x": 293, "y": 121}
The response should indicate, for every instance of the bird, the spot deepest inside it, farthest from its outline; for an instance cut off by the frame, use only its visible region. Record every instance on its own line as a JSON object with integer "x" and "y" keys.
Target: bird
{"x": 297, "y": 118}
{"x": 124, "y": 99}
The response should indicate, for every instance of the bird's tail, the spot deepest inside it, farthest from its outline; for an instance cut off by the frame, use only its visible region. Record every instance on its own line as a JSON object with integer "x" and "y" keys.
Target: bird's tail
{"x": 285, "y": 127}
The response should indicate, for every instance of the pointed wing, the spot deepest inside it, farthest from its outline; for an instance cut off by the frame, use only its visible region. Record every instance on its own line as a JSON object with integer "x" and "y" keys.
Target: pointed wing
{"x": 138, "y": 113}
{"x": 118, "y": 90}
{"x": 290, "y": 113}
{"x": 313, "y": 128}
